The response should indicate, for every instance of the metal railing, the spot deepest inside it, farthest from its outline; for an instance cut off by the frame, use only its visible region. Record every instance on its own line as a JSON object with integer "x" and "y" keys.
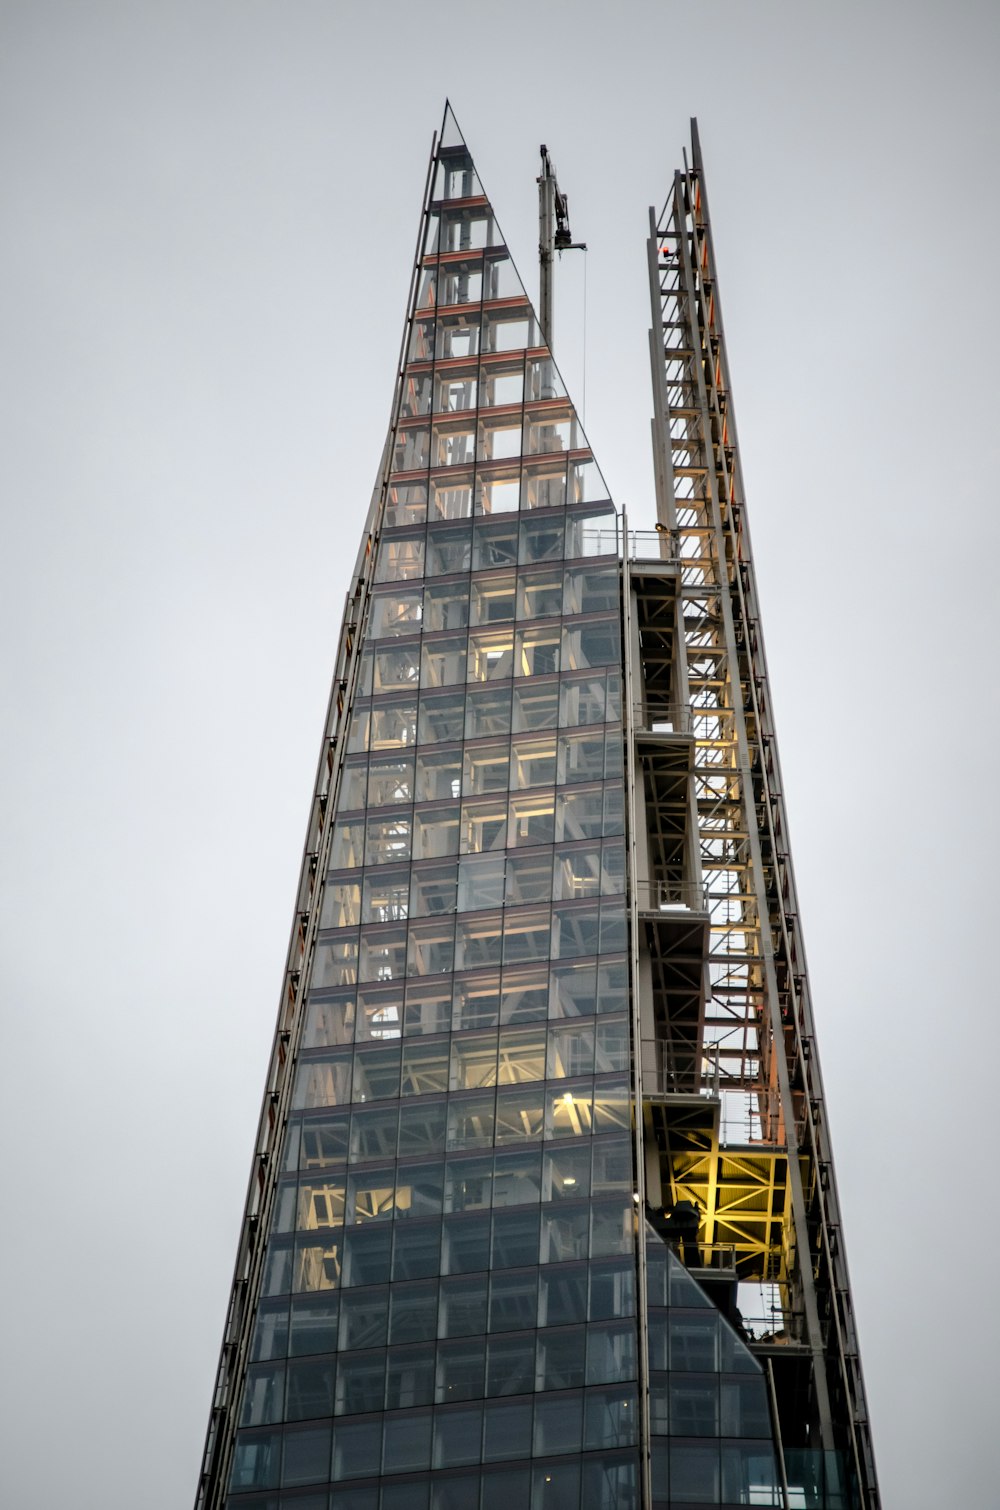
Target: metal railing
{"x": 670, "y": 896}
{"x": 653, "y": 717}
{"x": 652, "y": 545}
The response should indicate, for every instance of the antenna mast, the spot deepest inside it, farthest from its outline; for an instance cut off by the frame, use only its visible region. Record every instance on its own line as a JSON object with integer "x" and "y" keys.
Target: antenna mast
{"x": 554, "y": 235}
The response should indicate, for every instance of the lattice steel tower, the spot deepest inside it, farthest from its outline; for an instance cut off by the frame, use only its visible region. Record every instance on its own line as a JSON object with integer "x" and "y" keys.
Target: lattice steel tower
{"x": 542, "y": 1213}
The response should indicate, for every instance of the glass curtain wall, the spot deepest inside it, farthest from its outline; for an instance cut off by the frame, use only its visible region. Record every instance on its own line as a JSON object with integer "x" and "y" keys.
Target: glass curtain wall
{"x": 450, "y": 1272}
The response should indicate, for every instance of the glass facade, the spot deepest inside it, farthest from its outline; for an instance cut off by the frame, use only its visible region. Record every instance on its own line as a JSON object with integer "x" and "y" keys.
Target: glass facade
{"x": 447, "y": 1309}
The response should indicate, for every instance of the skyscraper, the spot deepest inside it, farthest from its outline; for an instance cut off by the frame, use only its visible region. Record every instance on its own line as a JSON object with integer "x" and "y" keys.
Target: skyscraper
{"x": 542, "y": 1213}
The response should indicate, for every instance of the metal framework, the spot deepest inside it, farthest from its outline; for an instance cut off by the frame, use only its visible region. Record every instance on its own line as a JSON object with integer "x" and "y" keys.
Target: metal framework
{"x": 759, "y": 1166}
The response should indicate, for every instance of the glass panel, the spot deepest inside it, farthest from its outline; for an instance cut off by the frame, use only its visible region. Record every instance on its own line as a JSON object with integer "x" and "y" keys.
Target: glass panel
{"x": 357, "y": 1445}
{"x": 457, "y": 335}
{"x": 457, "y": 1438}
{"x": 460, "y": 1370}
{"x": 422, "y": 1126}
{"x": 495, "y": 544}
{"x": 524, "y": 995}
{"x": 392, "y": 725}
{"x": 502, "y": 381}
{"x": 513, "y": 1300}
{"x": 491, "y": 656}
{"x": 313, "y": 1324}
{"x": 270, "y": 1335}
{"x": 563, "y": 1295}
{"x": 555, "y": 1486}
{"x": 492, "y": 598}
{"x": 507, "y": 1432}
{"x": 325, "y": 1141}
{"x": 694, "y": 1472}
{"x": 407, "y": 1444}
{"x": 510, "y": 1367}
{"x": 543, "y": 483}
{"x": 500, "y": 438}
{"x": 486, "y": 769}
{"x": 541, "y": 538}
{"x": 484, "y": 826}
{"x": 310, "y": 1389}
{"x": 581, "y": 757}
{"x": 431, "y": 948}
{"x": 461, "y": 282}
{"x": 443, "y": 663}
{"x": 412, "y": 448}
{"x": 329, "y": 1022}
{"x": 442, "y": 716}
{"x": 592, "y": 532}
{"x": 481, "y": 877}
{"x": 592, "y": 589}
{"x": 416, "y": 1250}
{"x": 456, "y": 387}
{"x": 263, "y": 1395}
{"x": 568, "y": 1112}
{"x": 427, "y": 1011}
{"x": 453, "y": 441}
{"x": 416, "y": 396}
{"x": 449, "y": 550}
{"x": 306, "y": 1456}
{"x": 519, "y": 1113}
{"x": 473, "y": 1061}
{"x": 488, "y": 711}
{"x": 477, "y": 1002}
{"x": 353, "y": 789}
{"x": 438, "y": 774}
{"x": 529, "y": 877}
{"x": 446, "y": 605}
{"x": 550, "y": 429}
{"x": 559, "y": 1420}
{"x": 436, "y": 832}
{"x": 382, "y": 954}
{"x": 398, "y": 612}
{"x": 463, "y": 1307}
{"x": 387, "y": 839}
{"x": 413, "y": 1312}
{"x": 498, "y": 487}
{"x": 450, "y": 498}
{"x": 510, "y": 328}
{"x": 539, "y": 593}
{"x": 400, "y": 558}
{"x": 536, "y": 706}
{"x": 611, "y": 1348}
{"x": 419, "y": 1190}
{"x": 478, "y": 941}
{"x": 424, "y": 1068}
{"x": 471, "y": 1121}
{"x": 532, "y": 819}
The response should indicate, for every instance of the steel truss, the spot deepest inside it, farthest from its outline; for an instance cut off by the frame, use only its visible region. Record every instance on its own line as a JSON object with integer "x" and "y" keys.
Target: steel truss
{"x": 759, "y": 1047}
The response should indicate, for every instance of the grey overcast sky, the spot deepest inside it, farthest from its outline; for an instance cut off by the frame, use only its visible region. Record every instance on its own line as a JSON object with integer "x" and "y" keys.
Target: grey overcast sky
{"x": 209, "y": 212}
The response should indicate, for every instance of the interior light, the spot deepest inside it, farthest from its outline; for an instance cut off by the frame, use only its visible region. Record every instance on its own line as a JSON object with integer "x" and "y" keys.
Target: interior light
{"x": 568, "y": 1098}
{"x": 568, "y": 1181}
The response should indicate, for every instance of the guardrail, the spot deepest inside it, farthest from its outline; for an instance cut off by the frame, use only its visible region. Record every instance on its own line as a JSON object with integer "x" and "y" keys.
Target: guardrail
{"x": 646, "y": 545}
{"x": 654, "y": 717}
{"x": 670, "y": 896}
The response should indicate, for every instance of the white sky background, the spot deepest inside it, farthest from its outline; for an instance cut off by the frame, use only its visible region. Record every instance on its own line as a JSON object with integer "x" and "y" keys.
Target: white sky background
{"x": 209, "y": 213}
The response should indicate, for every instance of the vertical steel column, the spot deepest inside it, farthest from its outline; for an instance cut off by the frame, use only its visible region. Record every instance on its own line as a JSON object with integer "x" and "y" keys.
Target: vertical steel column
{"x": 779, "y": 1065}
{"x": 546, "y": 244}
{"x": 638, "y": 1151}
{"x": 761, "y": 1022}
